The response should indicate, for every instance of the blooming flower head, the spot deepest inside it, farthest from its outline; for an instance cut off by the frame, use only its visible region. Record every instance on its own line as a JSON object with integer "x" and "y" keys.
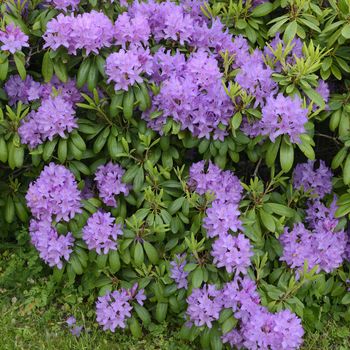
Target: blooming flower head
{"x": 113, "y": 310}
{"x": 13, "y": 39}
{"x": 55, "y": 116}
{"x": 54, "y": 194}
{"x": 125, "y": 67}
{"x": 316, "y": 180}
{"x": 65, "y": 4}
{"x": 177, "y": 272}
{"x": 101, "y": 232}
{"x": 22, "y": 90}
{"x": 90, "y": 31}
{"x": 52, "y": 247}
{"x": 283, "y": 116}
{"x": 232, "y": 252}
{"x": 109, "y": 183}
{"x": 204, "y": 305}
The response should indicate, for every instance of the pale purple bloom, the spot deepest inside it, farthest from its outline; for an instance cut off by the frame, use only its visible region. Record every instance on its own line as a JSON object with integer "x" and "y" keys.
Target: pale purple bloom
{"x": 204, "y": 305}
{"x": 54, "y": 194}
{"x": 113, "y": 310}
{"x": 323, "y": 90}
{"x": 65, "y": 4}
{"x": 109, "y": 183}
{"x": 55, "y": 116}
{"x": 71, "y": 321}
{"x": 13, "y": 39}
{"x": 52, "y": 247}
{"x": 76, "y": 330}
{"x": 283, "y": 116}
{"x": 125, "y": 67}
{"x": 100, "y": 232}
{"x": 316, "y": 180}
{"x": 232, "y": 252}
{"x": 220, "y": 218}
{"x": 89, "y": 31}
{"x": 177, "y": 272}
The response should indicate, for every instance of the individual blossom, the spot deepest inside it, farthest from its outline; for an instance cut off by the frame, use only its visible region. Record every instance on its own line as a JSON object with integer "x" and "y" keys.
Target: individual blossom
{"x": 317, "y": 180}
{"x": 138, "y": 295}
{"x": 234, "y": 338}
{"x": 52, "y": 247}
{"x": 220, "y": 218}
{"x": 256, "y": 78}
{"x": 177, "y": 272}
{"x": 322, "y": 218}
{"x": 65, "y": 4}
{"x": 323, "y": 90}
{"x": 280, "y": 331}
{"x": 13, "y": 39}
{"x": 232, "y": 252}
{"x": 113, "y": 310}
{"x": 22, "y": 90}
{"x": 101, "y": 232}
{"x": 298, "y": 247}
{"x": 54, "y": 194}
{"x": 55, "y": 116}
{"x": 90, "y": 31}
{"x": 283, "y": 116}
{"x": 109, "y": 183}
{"x": 126, "y": 67}
{"x": 204, "y": 305}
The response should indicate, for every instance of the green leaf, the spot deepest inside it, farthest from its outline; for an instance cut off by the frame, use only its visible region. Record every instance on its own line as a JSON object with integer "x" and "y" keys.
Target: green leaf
{"x": 61, "y": 71}
{"x": 315, "y": 97}
{"x": 197, "y": 278}
{"x": 47, "y": 67}
{"x": 135, "y": 328}
{"x": 175, "y": 205}
{"x": 286, "y": 156}
{"x": 272, "y": 151}
{"x": 262, "y": 10}
{"x": 151, "y": 252}
{"x": 290, "y": 31}
{"x": 345, "y": 32}
{"x": 267, "y": 220}
{"x": 19, "y": 62}
{"x": 228, "y": 325}
{"x": 143, "y": 314}
{"x": 346, "y": 171}
{"x": 161, "y": 311}
{"x": 346, "y": 299}
{"x": 280, "y": 209}
{"x": 114, "y": 261}
{"x": 139, "y": 255}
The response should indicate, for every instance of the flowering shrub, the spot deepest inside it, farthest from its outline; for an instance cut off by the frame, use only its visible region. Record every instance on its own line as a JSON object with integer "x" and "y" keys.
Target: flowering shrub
{"x": 183, "y": 162}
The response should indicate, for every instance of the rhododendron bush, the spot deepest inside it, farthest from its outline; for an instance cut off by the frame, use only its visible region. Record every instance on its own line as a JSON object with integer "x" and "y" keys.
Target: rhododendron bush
{"x": 183, "y": 162}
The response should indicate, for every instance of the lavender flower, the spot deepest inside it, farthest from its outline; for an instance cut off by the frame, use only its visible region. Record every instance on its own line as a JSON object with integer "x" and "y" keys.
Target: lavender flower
{"x": 55, "y": 116}
{"x": 13, "y": 39}
{"x": 65, "y": 4}
{"x": 22, "y": 90}
{"x": 71, "y": 320}
{"x": 113, "y": 309}
{"x": 89, "y": 31}
{"x": 125, "y": 67}
{"x": 177, "y": 272}
{"x": 109, "y": 183}
{"x": 220, "y": 218}
{"x": 318, "y": 181}
{"x": 53, "y": 248}
{"x": 204, "y": 305}
{"x": 101, "y": 232}
{"x": 283, "y": 116}
{"x": 54, "y": 194}
{"x": 232, "y": 252}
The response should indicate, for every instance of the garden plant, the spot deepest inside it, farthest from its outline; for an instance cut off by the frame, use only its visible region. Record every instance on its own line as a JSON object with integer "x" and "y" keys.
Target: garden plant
{"x": 180, "y": 163}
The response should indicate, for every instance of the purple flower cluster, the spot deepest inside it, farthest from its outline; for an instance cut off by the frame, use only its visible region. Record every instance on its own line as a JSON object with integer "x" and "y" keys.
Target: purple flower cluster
{"x": 316, "y": 180}
{"x": 65, "y": 4}
{"x": 109, "y": 183}
{"x": 13, "y": 39}
{"x": 55, "y": 116}
{"x": 54, "y": 195}
{"x": 191, "y": 94}
{"x": 113, "y": 309}
{"x": 320, "y": 245}
{"x": 125, "y": 67}
{"x": 52, "y": 247}
{"x": 29, "y": 90}
{"x": 257, "y": 327}
{"x": 177, "y": 272}
{"x": 89, "y": 31}
{"x": 231, "y": 252}
{"x": 101, "y": 232}
{"x": 204, "y": 305}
